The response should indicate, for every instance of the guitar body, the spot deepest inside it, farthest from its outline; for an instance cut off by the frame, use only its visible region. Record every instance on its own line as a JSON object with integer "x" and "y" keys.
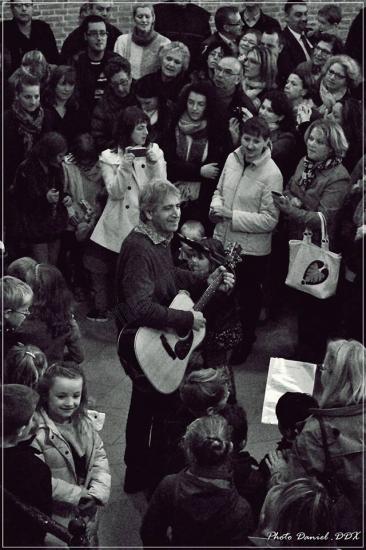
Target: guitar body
{"x": 163, "y": 355}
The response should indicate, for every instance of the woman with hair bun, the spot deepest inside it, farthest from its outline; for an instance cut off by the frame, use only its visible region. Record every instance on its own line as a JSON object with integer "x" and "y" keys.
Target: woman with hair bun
{"x": 200, "y": 504}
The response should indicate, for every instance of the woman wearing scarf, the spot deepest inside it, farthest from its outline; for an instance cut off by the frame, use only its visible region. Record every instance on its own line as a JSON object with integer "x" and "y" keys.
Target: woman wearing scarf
{"x": 319, "y": 184}
{"x": 341, "y": 77}
{"x": 195, "y": 149}
{"x": 142, "y": 45}
{"x": 23, "y": 125}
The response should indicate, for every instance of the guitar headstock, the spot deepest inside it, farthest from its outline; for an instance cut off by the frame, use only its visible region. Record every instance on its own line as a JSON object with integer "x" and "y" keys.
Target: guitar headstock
{"x": 233, "y": 255}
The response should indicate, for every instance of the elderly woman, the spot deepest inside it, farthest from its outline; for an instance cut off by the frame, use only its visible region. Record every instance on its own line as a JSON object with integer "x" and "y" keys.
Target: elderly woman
{"x": 172, "y": 76}
{"x": 260, "y": 72}
{"x": 341, "y": 77}
{"x": 320, "y": 184}
{"x": 141, "y": 46}
{"x": 340, "y": 415}
{"x": 243, "y": 210}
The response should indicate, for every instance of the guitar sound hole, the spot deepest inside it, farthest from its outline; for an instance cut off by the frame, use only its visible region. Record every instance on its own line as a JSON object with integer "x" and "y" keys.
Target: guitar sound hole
{"x": 183, "y": 347}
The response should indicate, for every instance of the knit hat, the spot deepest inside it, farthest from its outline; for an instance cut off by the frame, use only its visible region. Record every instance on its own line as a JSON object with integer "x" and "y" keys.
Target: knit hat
{"x": 18, "y": 405}
{"x": 147, "y": 87}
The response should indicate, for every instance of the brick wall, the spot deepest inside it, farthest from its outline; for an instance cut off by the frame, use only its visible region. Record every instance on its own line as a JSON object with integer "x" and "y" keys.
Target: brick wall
{"x": 63, "y": 16}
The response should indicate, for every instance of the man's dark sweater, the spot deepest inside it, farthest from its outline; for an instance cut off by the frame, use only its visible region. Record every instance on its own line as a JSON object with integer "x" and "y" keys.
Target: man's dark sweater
{"x": 75, "y": 42}
{"x": 90, "y": 77}
{"x": 147, "y": 282}
{"x": 265, "y": 23}
{"x": 105, "y": 116}
{"x": 41, "y": 38}
{"x": 29, "y": 479}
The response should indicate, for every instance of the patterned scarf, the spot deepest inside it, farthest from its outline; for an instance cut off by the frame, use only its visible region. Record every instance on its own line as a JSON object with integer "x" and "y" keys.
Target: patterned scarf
{"x": 310, "y": 167}
{"x": 143, "y": 38}
{"x": 191, "y": 139}
{"x": 29, "y": 126}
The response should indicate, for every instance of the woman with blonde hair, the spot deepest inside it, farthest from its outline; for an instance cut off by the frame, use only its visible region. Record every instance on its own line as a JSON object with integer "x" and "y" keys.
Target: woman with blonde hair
{"x": 171, "y": 77}
{"x": 336, "y": 430}
{"x": 341, "y": 76}
{"x": 300, "y": 508}
{"x": 320, "y": 184}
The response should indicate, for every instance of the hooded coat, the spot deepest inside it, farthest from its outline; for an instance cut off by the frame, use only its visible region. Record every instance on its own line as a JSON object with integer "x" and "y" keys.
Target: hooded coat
{"x": 199, "y": 512}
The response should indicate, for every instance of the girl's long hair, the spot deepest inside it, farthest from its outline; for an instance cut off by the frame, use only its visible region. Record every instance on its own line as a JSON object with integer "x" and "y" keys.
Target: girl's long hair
{"x": 53, "y": 302}
{"x": 71, "y": 371}
{"x": 24, "y": 364}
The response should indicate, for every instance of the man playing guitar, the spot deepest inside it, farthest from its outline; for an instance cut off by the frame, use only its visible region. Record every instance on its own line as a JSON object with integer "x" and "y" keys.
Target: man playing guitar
{"x": 147, "y": 282}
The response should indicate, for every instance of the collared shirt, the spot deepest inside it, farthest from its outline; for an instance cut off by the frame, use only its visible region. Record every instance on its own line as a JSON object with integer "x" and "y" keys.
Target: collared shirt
{"x": 298, "y": 38}
{"x": 154, "y": 236}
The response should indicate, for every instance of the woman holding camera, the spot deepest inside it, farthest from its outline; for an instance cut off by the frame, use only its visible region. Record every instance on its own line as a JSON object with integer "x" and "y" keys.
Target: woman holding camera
{"x": 125, "y": 170}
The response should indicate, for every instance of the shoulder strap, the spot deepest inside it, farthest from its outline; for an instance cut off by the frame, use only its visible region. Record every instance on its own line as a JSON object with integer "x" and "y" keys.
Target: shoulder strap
{"x": 325, "y": 443}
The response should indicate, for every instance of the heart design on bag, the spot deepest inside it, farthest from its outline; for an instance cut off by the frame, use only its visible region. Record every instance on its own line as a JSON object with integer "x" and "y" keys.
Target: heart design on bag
{"x": 317, "y": 272}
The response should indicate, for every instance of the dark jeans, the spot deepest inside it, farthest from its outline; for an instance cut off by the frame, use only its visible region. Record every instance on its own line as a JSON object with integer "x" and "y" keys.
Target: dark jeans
{"x": 317, "y": 320}
{"x": 250, "y": 274}
{"x": 145, "y": 431}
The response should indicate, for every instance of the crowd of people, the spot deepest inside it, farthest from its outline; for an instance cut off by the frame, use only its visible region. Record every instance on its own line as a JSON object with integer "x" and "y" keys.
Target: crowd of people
{"x": 173, "y": 160}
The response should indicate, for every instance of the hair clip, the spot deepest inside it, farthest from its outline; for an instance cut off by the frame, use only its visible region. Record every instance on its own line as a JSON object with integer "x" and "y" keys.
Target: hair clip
{"x": 31, "y": 354}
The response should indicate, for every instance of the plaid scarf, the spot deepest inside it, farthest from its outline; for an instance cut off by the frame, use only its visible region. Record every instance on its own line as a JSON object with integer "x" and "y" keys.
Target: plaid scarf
{"x": 29, "y": 126}
{"x": 310, "y": 167}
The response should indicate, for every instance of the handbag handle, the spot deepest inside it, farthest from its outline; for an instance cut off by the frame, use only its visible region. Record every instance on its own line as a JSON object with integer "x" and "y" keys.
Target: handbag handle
{"x": 325, "y": 238}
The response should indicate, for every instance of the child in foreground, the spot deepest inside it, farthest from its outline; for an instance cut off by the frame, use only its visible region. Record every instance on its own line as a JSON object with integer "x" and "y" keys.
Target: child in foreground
{"x": 68, "y": 439}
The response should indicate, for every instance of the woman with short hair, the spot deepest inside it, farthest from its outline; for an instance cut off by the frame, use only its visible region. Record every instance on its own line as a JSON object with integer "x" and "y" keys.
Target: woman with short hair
{"x": 320, "y": 184}
{"x": 141, "y": 46}
{"x": 341, "y": 76}
{"x": 174, "y": 59}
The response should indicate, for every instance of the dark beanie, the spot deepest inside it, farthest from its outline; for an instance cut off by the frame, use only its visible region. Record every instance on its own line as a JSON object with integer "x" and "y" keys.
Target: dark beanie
{"x": 147, "y": 87}
{"x": 18, "y": 405}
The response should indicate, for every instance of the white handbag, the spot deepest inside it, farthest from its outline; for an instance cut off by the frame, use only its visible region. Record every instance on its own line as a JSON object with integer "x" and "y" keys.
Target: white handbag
{"x": 313, "y": 269}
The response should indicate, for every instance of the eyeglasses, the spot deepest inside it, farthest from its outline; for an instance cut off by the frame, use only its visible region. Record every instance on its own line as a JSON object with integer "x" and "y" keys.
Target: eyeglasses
{"x": 25, "y": 313}
{"x": 95, "y": 34}
{"x": 227, "y": 72}
{"x": 321, "y": 51}
{"x": 336, "y": 75}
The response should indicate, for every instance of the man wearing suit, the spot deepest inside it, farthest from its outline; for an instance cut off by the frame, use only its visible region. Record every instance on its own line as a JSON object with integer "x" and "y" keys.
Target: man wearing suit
{"x": 297, "y": 47}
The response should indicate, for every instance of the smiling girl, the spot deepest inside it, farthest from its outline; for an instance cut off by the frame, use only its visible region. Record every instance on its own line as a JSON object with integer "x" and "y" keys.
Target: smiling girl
{"x": 68, "y": 440}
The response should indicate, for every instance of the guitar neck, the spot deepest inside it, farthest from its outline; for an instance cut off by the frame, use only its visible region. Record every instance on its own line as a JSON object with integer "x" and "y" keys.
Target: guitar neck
{"x": 209, "y": 292}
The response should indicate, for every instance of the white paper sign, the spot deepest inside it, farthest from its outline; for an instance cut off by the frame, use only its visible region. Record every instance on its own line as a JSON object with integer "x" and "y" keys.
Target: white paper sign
{"x": 283, "y": 376}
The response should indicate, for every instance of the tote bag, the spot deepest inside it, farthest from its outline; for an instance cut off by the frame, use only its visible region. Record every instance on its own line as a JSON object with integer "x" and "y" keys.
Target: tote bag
{"x": 313, "y": 269}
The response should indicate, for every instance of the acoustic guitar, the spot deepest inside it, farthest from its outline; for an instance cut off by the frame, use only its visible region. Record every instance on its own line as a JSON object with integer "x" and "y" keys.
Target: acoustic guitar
{"x": 163, "y": 355}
